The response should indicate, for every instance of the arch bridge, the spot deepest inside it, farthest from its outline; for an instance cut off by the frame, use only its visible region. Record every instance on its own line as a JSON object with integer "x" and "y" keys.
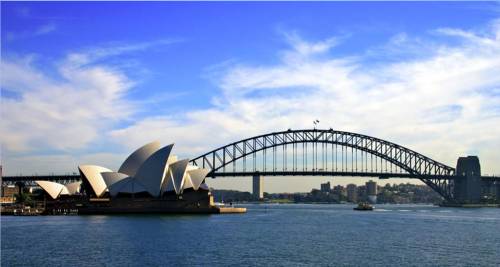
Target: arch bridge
{"x": 315, "y": 152}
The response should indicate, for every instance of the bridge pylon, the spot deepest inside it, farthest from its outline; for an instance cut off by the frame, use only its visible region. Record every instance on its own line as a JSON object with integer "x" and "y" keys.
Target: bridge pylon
{"x": 468, "y": 185}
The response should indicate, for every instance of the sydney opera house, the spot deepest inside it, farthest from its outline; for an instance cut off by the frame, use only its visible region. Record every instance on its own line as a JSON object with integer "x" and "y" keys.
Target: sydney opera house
{"x": 150, "y": 180}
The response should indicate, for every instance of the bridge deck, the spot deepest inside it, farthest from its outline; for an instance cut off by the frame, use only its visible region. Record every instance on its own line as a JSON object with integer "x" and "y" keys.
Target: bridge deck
{"x": 329, "y": 173}
{"x": 380, "y": 175}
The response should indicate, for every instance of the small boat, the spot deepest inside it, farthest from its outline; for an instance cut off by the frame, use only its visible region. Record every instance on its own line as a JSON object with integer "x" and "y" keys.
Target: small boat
{"x": 363, "y": 206}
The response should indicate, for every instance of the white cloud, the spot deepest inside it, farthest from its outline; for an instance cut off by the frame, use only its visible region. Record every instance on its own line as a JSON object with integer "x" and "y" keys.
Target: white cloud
{"x": 45, "y": 29}
{"x": 23, "y": 12}
{"x": 304, "y": 48}
{"x": 60, "y": 114}
{"x": 440, "y": 104}
{"x": 39, "y": 31}
{"x": 93, "y": 54}
{"x": 69, "y": 112}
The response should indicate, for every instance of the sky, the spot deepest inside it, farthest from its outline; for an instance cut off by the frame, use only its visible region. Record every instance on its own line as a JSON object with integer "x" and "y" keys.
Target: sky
{"x": 88, "y": 83}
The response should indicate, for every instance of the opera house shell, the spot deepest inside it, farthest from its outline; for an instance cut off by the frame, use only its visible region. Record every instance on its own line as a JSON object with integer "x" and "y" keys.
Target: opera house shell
{"x": 151, "y": 178}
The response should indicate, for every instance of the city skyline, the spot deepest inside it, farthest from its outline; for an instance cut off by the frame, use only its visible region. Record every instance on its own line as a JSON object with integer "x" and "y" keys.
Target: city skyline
{"x": 75, "y": 90}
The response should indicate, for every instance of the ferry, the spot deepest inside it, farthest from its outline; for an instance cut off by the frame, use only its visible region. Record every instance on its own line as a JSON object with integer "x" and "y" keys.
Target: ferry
{"x": 363, "y": 206}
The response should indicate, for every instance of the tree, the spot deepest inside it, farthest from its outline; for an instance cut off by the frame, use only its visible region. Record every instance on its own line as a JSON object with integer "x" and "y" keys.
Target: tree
{"x": 24, "y": 198}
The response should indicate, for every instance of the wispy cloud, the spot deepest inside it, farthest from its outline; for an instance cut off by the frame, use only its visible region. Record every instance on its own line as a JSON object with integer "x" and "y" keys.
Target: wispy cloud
{"x": 23, "y": 12}
{"x": 39, "y": 31}
{"x": 68, "y": 112}
{"x": 304, "y": 48}
{"x": 94, "y": 54}
{"x": 60, "y": 114}
{"x": 440, "y": 103}
{"x": 45, "y": 29}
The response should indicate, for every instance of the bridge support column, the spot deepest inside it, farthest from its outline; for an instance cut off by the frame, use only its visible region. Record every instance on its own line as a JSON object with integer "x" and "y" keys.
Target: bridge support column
{"x": 468, "y": 185}
{"x": 258, "y": 187}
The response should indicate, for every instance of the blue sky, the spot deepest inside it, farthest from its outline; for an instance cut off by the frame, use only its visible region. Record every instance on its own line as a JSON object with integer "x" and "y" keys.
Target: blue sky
{"x": 89, "y": 82}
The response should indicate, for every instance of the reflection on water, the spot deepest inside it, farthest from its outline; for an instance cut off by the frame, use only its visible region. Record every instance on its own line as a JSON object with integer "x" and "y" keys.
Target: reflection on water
{"x": 285, "y": 234}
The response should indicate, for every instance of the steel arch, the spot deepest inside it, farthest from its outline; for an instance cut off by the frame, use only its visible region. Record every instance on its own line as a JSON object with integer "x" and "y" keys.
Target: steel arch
{"x": 433, "y": 173}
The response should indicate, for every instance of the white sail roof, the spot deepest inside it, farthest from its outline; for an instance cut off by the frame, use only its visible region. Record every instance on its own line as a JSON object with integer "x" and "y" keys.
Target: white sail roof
{"x": 73, "y": 188}
{"x": 168, "y": 183}
{"x": 64, "y": 191}
{"x": 187, "y": 182}
{"x": 197, "y": 176}
{"x": 126, "y": 185}
{"x": 132, "y": 164}
{"x": 178, "y": 171}
{"x": 92, "y": 174}
{"x": 52, "y": 188}
{"x": 152, "y": 171}
{"x": 204, "y": 187}
{"x": 112, "y": 177}
{"x": 115, "y": 188}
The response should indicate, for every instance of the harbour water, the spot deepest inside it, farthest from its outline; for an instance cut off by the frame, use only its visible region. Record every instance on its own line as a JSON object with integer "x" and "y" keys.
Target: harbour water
{"x": 278, "y": 235}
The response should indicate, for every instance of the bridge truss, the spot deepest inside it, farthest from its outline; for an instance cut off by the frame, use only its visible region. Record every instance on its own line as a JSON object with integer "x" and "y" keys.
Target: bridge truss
{"x": 326, "y": 153}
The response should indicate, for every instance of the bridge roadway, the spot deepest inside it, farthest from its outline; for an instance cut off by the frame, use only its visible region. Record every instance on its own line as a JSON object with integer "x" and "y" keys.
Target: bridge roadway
{"x": 30, "y": 179}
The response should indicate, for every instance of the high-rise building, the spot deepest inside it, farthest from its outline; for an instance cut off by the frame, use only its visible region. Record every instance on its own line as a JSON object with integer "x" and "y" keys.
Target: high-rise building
{"x": 257, "y": 187}
{"x": 338, "y": 190}
{"x": 338, "y": 193}
{"x": 325, "y": 188}
{"x": 371, "y": 191}
{"x": 352, "y": 193}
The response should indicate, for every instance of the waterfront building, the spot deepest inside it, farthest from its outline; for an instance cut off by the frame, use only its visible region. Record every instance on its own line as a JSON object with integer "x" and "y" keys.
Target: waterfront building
{"x": 352, "y": 193}
{"x": 149, "y": 180}
{"x": 338, "y": 190}
{"x": 258, "y": 185}
{"x": 325, "y": 188}
{"x": 371, "y": 191}
{"x": 8, "y": 194}
{"x": 338, "y": 193}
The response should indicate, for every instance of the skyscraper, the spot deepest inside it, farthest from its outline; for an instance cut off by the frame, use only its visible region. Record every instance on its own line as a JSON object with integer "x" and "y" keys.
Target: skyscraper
{"x": 257, "y": 187}
{"x": 371, "y": 191}
{"x": 352, "y": 193}
{"x": 325, "y": 188}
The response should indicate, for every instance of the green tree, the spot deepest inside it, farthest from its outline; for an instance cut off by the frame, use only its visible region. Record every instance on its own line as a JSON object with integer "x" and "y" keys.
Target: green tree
{"x": 24, "y": 198}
